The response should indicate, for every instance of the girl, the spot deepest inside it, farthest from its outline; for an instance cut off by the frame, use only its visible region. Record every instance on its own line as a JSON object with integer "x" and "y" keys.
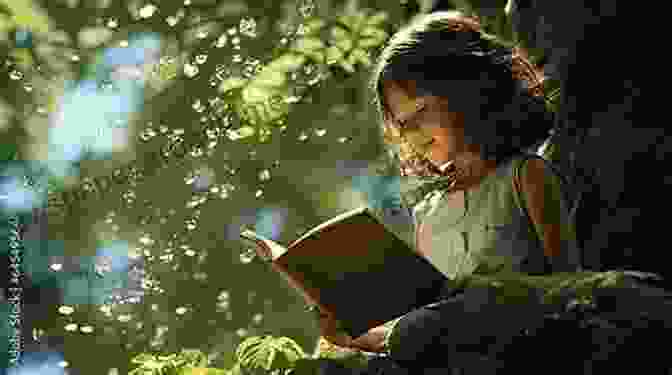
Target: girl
{"x": 459, "y": 103}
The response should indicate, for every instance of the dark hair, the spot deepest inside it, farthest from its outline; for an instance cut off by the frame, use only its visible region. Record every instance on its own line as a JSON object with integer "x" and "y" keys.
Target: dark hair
{"x": 497, "y": 90}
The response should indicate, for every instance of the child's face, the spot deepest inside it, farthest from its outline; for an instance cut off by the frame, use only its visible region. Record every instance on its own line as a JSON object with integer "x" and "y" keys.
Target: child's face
{"x": 427, "y": 123}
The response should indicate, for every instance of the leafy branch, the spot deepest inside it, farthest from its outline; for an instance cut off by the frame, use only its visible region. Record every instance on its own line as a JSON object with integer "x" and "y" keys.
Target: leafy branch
{"x": 265, "y": 98}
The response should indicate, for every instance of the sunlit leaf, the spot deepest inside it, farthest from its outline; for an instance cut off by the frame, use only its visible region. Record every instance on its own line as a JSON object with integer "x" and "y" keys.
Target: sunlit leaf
{"x": 339, "y": 33}
{"x": 368, "y": 43}
{"x": 256, "y": 94}
{"x": 91, "y": 37}
{"x": 26, "y": 14}
{"x": 347, "y": 66}
{"x": 377, "y": 19}
{"x": 270, "y": 78}
{"x": 360, "y": 55}
{"x": 344, "y": 44}
{"x": 232, "y": 83}
{"x": 268, "y": 353}
{"x": 142, "y": 358}
{"x": 334, "y": 55}
{"x": 375, "y": 33}
{"x": 313, "y": 26}
{"x": 246, "y": 131}
{"x": 194, "y": 357}
{"x": 6, "y": 113}
{"x": 308, "y": 46}
{"x": 22, "y": 57}
{"x": 349, "y": 20}
{"x": 359, "y": 20}
{"x": 167, "y": 69}
{"x": 287, "y": 62}
{"x": 203, "y": 371}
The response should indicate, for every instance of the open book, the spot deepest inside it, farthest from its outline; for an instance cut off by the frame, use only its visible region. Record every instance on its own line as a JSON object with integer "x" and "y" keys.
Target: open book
{"x": 355, "y": 268}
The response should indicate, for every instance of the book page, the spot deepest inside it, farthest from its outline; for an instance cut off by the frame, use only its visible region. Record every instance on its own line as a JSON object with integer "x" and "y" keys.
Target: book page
{"x": 267, "y": 249}
{"x": 328, "y": 223}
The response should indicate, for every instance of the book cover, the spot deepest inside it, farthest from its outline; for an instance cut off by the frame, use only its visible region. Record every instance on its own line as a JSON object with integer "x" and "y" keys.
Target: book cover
{"x": 356, "y": 268}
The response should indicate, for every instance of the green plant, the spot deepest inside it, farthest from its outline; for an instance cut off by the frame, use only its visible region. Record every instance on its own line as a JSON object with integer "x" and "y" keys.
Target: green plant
{"x": 255, "y": 355}
{"x": 265, "y": 98}
{"x": 173, "y": 364}
{"x": 268, "y": 353}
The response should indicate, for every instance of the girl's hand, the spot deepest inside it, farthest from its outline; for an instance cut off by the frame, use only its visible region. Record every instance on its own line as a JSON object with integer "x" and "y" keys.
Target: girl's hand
{"x": 330, "y": 330}
{"x": 372, "y": 341}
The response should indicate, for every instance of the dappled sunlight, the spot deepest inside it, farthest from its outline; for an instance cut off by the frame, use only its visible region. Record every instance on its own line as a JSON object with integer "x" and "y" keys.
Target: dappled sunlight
{"x": 155, "y": 264}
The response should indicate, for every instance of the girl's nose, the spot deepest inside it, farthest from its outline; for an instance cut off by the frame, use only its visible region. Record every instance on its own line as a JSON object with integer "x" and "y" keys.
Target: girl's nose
{"x": 418, "y": 138}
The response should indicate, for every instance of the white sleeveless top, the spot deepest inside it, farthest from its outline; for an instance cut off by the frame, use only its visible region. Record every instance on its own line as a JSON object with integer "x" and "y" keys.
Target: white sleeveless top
{"x": 483, "y": 230}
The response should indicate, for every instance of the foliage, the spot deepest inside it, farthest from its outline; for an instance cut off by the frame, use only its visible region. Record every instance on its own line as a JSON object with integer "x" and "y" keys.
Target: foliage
{"x": 24, "y": 14}
{"x": 192, "y": 362}
{"x": 265, "y": 98}
{"x": 556, "y": 288}
{"x": 281, "y": 355}
{"x": 257, "y": 354}
{"x": 268, "y": 353}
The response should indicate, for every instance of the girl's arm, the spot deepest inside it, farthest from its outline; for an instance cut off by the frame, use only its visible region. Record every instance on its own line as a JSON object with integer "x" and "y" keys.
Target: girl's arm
{"x": 540, "y": 189}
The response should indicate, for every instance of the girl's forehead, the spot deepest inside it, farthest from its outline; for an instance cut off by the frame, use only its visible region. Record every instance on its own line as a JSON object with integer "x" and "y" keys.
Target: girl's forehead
{"x": 400, "y": 99}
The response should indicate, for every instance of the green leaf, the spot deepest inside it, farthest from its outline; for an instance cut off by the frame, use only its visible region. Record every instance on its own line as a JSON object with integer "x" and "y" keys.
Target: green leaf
{"x": 8, "y": 151}
{"x": 313, "y": 26}
{"x": 347, "y": 66}
{"x": 345, "y": 45}
{"x": 334, "y": 55}
{"x": 377, "y": 19}
{"x": 91, "y": 37}
{"x": 287, "y": 62}
{"x": 368, "y": 43}
{"x": 338, "y": 33}
{"x": 268, "y": 353}
{"x": 375, "y": 33}
{"x": 306, "y": 45}
{"x": 202, "y": 371}
{"x": 269, "y": 78}
{"x": 22, "y": 57}
{"x": 360, "y": 55}
{"x": 194, "y": 357}
{"x": 253, "y": 94}
{"x": 26, "y": 14}
{"x": 353, "y": 21}
{"x": 359, "y": 20}
{"x": 232, "y": 83}
{"x": 310, "y": 47}
{"x": 142, "y": 358}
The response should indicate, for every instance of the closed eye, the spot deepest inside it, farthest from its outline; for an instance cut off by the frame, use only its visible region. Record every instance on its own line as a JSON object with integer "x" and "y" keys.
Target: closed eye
{"x": 403, "y": 124}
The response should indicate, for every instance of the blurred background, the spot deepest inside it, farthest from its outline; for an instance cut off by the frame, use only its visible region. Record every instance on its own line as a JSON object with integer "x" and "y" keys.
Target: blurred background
{"x": 153, "y": 131}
